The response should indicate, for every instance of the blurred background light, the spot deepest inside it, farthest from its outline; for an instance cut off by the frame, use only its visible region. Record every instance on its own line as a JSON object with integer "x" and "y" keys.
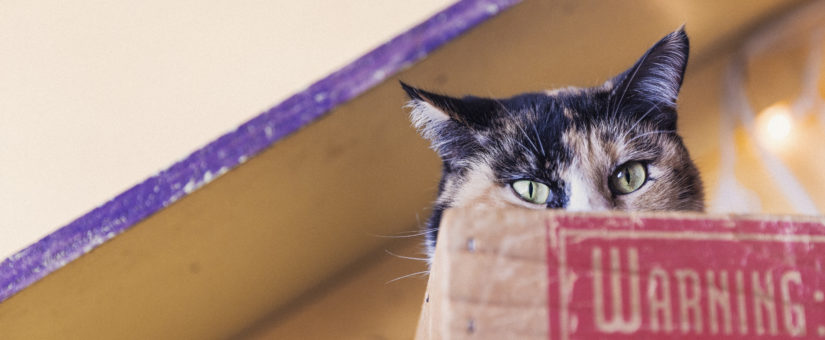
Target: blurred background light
{"x": 774, "y": 126}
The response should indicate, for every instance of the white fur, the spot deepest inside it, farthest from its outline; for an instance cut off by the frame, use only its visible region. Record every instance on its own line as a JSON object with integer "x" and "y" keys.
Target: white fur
{"x": 429, "y": 121}
{"x": 583, "y": 196}
{"x": 424, "y": 115}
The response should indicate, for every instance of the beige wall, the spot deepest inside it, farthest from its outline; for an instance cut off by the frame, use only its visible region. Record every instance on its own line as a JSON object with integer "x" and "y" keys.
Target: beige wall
{"x": 95, "y": 96}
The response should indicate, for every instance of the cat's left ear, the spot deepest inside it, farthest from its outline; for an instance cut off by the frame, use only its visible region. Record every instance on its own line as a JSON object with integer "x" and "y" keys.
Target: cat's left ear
{"x": 656, "y": 77}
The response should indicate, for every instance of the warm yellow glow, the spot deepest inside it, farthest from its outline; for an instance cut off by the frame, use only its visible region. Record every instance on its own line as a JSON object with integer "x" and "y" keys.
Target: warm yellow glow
{"x": 779, "y": 126}
{"x": 775, "y": 124}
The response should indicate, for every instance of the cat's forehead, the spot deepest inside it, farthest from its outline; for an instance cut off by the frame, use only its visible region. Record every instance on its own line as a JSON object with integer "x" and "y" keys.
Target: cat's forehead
{"x": 556, "y": 110}
{"x": 543, "y": 132}
{"x": 530, "y": 134}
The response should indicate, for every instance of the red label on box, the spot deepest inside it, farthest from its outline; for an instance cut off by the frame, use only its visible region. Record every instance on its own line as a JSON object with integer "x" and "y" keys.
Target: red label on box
{"x": 626, "y": 278}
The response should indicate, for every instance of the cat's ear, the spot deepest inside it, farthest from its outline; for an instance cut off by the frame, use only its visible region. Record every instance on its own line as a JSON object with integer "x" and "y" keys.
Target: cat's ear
{"x": 656, "y": 77}
{"x": 428, "y": 111}
{"x": 431, "y": 112}
{"x": 428, "y": 107}
{"x": 450, "y": 124}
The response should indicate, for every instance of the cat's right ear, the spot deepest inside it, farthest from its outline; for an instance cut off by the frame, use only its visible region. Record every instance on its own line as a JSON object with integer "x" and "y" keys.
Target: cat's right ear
{"x": 427, "y": 107}
{"x": 450, "y": 124}
{"x": 431, "y": 112}
{"x": 428, "y": 111}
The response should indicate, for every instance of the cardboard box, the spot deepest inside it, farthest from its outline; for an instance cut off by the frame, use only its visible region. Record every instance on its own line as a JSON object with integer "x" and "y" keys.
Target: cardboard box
{"x": 520, "y": 274}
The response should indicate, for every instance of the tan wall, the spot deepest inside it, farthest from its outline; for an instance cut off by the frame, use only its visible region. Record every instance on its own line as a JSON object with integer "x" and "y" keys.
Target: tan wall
{"x": 97, "y": 96}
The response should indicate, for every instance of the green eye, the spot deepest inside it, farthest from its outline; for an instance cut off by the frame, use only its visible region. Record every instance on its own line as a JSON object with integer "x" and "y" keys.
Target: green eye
{"x": 628, "y": 178}
{"x": 531, "y": 191}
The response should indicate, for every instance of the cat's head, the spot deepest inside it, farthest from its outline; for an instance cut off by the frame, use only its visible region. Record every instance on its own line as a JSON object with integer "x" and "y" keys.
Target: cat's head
{"x": 612, "y": 146}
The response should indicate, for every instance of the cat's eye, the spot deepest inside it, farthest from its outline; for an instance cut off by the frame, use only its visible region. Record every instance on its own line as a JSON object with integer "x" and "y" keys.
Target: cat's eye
{"x": 531, "y": 191}
{"x": 628, "y": 177}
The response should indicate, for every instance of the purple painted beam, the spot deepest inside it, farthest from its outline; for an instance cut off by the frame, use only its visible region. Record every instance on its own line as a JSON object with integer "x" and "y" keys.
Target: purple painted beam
{"x": 105, "y": 222}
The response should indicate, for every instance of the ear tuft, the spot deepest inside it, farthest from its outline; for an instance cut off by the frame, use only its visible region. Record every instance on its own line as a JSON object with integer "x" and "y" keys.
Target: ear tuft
{"x": 450, "y": 124}
{"x": 425, "y": 117}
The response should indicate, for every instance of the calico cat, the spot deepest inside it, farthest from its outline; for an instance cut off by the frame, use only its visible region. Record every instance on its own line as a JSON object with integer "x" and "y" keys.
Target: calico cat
{"x": 612, "y": 146}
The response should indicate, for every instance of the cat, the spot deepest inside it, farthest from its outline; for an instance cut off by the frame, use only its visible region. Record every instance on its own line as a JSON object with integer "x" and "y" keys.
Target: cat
{"x": 607, "y": 147}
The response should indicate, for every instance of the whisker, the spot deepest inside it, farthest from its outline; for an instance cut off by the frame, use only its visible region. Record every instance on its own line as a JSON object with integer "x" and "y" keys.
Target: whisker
{"x": 421, "y": 273}
{"x": 650, "y": 133}
{"x": 655, "y": 106}
{"x": 523, "y": 146}
{"x": 527, "y": 138}
{"x": 518, "y": 126}
{"x": 498, "y": 101}
{"x": 406, "y": 257}
{"x": 406, "y": 234}
{"x": 539, "y": 139}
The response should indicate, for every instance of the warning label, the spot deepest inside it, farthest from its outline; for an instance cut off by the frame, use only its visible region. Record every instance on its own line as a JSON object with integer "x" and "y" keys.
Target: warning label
{"x": 691, "y": 278}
